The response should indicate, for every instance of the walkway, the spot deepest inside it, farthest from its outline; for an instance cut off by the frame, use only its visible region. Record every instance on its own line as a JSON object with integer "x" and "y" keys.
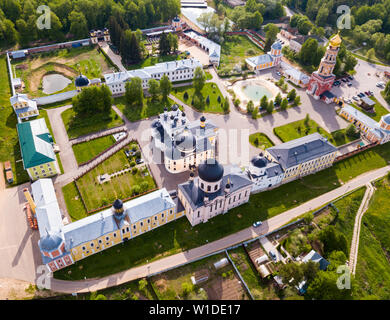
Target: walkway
{"x": 194, "y": 254}
{"x": 353, "y": 255}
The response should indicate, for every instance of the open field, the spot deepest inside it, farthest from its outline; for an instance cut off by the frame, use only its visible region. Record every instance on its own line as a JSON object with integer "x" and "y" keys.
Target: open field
{"x": 88, "y": 150}
{"x": 234, "y": 51}
{"x": 210, "y": 90}
{"x": 179, "y": 236}
{"x": 76, "y": 127}
{"x": 222, "y": 284}
{"x": 149, "y": 109}
{"x": 299, "y": 129}
{"x": 373, "y": 264}
{"x": 9, "y": 143}
{"x": 96, "y": 195}
{"x": 260, "y": 140}
{"x": 68, "y": 62}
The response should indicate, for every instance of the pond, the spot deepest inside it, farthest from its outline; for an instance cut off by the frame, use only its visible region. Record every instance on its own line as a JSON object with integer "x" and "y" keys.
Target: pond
{"x": 52, "y": 83}
{"x": 255, "y": 92}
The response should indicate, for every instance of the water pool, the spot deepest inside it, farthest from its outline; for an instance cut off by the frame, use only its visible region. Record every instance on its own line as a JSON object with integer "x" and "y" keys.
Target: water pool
{"x": 255, "y": 92}
{"x": 52, "y": 83}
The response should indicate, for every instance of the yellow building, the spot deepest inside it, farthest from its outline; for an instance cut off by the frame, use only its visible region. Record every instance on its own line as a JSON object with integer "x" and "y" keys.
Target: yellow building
{"x": 303, "y": 156}
{"x": 36, "y": 145}
{"x": 122, "y": 222}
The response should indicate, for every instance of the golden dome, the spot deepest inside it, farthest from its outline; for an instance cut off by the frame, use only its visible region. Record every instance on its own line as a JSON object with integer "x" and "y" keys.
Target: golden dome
{"x": 335, "y": 41}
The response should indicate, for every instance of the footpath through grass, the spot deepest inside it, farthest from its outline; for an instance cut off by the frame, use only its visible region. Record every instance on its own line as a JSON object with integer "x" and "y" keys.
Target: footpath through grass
{"x": 88, "y": 150}
{"x": 76, "y": 126}
{"x": 373, "y": 264}
{"x": 179, "y": 236}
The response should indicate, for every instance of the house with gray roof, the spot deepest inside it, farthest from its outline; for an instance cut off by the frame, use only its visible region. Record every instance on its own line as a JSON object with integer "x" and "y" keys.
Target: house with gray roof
{"x": 267, "y": 60}
{"x": 303, "y": 156}
{"x": 23, "y": 106}
{"x": 212, "y": 193}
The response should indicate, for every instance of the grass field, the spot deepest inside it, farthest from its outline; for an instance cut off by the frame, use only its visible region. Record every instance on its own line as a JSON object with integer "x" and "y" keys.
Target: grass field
{"x": 373, "y": 264}
{"x": 9, "y": 142}
{"x": 210, "y": 89}
{"x": 179, "y": 236}
{"x": 76, "y": 127}
{"x": 379, "y": 110}
{"x": 261, "y": 289}
{"x": 73, "y": 203}
{"x": 68, "y": 62}
{"x": 298, "y": 129}
{"x": 234, "y": 51}
{"x": 149, "y": 109}
{"x": 260, "y": 140}
{"x": 88, "y": 150}
{"x": 96, "y": 195}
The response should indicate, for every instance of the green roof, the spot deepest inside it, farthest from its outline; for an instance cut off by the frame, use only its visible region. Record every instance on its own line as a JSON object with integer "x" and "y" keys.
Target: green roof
{"x": 35, "y": 143}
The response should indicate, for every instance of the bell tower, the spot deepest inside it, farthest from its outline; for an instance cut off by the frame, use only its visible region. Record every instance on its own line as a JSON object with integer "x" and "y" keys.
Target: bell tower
{"x": 322, "y": 79}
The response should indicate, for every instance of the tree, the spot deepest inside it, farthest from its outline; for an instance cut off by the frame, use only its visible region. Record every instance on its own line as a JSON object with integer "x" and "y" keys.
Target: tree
{"x": 308, "y": 218}
{"x": 351, "y": 131}
{"x": 270, "y": 107}
{"x": 271, "y": 31}
{"x": 291, "y": 272}
{"x": 284, "y": 104}
{"x": 264, "y": 102}
{"x": 250, "y": 106}
{"x": 333, "y": 240}
{"x": 307, "y": 120}
{"x": 134, "y": 93}
{"x": 199, "y": 80}
{"x": 324, "y": 287}
{"x": 371, "y": 54}
{"x": 154, "y": 88}
{"x": 78, "y": 25}
{"x": 142, "y": 284}
{"x": 165, "y": 87}
{"x": 306, "y": 55}
{"x": 92, "y": 100}
{"x": 297, "y": 101}
{"x": 255, "y": 113}
{"x": 291, "y": 95}
{"x": 278, "y": 99}
{"x": 173, "y": 42}
{"x": 164, "y": 45}
{"x": 226, "y": 105}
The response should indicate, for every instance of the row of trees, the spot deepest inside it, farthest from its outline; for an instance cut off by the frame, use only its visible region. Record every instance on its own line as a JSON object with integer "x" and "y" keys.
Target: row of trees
{"x": 18, "y": 17}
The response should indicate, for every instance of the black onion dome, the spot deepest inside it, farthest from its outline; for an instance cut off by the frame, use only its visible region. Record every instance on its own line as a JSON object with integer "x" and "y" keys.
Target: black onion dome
{"x": 259, "y": 162}
{"x": 118, "y": 204}
{"x": 210, "y": 171}
{"x": 81, "y": 81}
{"x": 175, "y": 107}
{"x": 185, "y": 141}
{"x": 203, "y": 118}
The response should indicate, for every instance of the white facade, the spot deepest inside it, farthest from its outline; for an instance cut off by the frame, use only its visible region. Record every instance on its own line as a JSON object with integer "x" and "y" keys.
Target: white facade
{"x": 175, "y": 70}
{"x": 264, "y": 174}
{"x": 23, "y": 106}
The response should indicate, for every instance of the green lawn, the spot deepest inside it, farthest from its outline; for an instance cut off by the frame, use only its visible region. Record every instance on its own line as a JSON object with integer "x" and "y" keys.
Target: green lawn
{"x": 261, "y": 289}
{"x": 298, "y": 129}
{"x": 210, "y": 89}
{"x": 73, "y": 203}
{"x": 234, "y": 51}
{"x": 179, "y": 236}
{"x": 373, "y": 264}
{"x": 9, "y": 142}
{"x": 379, "y": 110}
{"x": 87, "y": 150}
{"x": 77, "y": 127}
{"x": 260, "y": 140}
{"x": 96, "y": 195}
{"x": 149, "y": 109}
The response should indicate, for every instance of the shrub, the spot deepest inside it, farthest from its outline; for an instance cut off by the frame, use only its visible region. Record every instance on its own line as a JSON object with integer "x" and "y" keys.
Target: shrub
{"x": 185, "y": 96}
{"x": 132, "y": 164}
{"x": 136, "y": 189}
{"x": 134, "y": 170}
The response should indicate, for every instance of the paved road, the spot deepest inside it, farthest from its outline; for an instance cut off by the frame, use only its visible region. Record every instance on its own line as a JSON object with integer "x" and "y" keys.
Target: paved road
{"x": 193, "y": 254}
{"x": 353, "y": 256}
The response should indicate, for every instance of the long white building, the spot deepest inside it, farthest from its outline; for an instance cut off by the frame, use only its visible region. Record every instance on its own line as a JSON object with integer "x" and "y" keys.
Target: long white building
{"x": 178, "y": 70}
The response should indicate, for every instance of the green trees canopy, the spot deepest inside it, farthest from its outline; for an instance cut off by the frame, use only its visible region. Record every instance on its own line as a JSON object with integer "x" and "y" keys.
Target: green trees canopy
{"x": 92, "y": 100}
{"x": 134, "y": 94}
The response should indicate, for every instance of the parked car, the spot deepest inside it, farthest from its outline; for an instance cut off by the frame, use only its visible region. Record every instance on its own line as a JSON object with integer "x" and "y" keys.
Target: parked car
{"x": 355, "y": 98}
{"x": 273, "y": 255}
{"x": 371, "y": 93}
{"x": 349, "y": 84}
{"x": 139, "y": 161}
{"x": 362, "y": 94}
{"x": 257, "y": 224}
{"x": 278, "y": 73}
{"x": 127, "y": 153}
{"x": 350, "y": 78}
{"x": 344, "y": 80}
